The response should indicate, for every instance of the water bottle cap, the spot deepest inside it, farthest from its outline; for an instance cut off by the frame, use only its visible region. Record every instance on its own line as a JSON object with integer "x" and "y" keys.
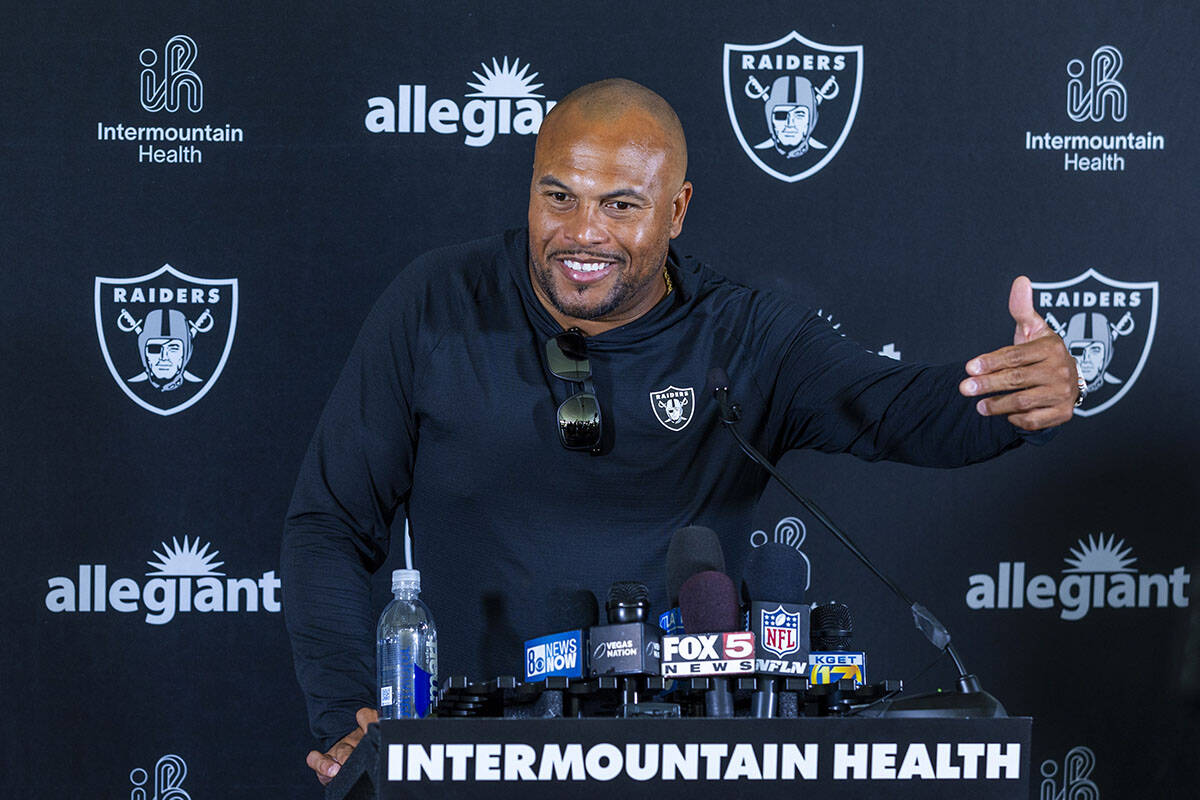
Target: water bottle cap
{"x": 406, "y": 578}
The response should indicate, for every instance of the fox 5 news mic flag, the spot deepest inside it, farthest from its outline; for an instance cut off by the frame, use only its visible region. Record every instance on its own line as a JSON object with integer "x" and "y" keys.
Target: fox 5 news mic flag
{"x": 708, "y": 654}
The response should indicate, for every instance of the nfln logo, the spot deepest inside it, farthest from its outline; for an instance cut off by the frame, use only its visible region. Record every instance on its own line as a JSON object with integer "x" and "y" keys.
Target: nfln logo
{"x": 730, "y": 653}
{"x": 834, "y": 666}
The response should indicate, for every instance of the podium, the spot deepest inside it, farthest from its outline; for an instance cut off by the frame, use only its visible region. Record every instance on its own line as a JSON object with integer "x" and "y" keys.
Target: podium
{"x": 825, "y": 757}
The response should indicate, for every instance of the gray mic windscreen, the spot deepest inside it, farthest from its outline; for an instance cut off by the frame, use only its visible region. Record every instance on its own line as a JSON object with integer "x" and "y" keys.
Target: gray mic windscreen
{"x": 831, "y": 627}
{"x": 709, "y": 603}
{"x": 775, "y": 573}
{"x": 693, "y": 549}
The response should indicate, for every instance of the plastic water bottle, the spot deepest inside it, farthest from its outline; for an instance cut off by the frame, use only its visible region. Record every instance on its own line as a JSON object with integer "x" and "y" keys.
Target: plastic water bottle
{"x": 406, "y": 648}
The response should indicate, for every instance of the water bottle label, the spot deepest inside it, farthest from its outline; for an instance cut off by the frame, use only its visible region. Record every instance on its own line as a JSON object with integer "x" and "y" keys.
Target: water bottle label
{"x": 385, "y": 696}
{"x": 425, "y": 691}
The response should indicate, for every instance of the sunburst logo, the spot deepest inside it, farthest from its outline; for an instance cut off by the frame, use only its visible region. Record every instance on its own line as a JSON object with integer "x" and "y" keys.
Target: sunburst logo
{"x": 188, "y": 559}
{"x": 1101, "y": 556}
{"x": 502, "y": 80}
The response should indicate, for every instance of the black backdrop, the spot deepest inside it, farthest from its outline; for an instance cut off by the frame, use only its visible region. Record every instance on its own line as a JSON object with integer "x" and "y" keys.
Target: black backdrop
{"x": 907, "y": 238}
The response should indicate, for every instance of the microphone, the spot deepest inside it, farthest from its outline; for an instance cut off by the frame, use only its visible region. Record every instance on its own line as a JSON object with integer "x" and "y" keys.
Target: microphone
{"x": 831, "y": 626}
{"x": 773, "y": 588}
{"x": 970, "y": 700}
{"x": 563, "y": 654}
{"x": 717, "y": 647}
{"x": 627, "y": 646}
{"x": 831, "y": 658}
{"x": 628, "y": 601}
{"x": 692, "y": 549}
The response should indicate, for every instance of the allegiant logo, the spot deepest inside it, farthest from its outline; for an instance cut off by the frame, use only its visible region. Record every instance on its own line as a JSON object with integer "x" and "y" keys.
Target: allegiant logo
{"x": 504, "y": 101}
{"x": 1099, "y": 576}
{"x": 185, "y": 581}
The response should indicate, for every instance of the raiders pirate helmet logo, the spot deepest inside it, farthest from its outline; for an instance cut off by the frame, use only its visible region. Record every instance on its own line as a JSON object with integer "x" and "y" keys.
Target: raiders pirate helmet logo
{"x": 166, "y": 335}
{"x": 673, "y": 407}
{"x": 1107, "y": 325}
{"x": 792, "y": 101}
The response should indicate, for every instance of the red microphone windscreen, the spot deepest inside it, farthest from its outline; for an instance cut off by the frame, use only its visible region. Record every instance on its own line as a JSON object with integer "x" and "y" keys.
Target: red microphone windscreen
{"x": 708, "y": 602}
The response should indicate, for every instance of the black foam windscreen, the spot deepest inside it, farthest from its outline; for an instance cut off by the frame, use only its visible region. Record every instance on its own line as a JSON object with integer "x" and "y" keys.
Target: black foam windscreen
{"x": 708, "y": 603}
{"x": 693, "y": 549}
{"x": 571, "y": 607}
{"x": 774, "y": 572}
{"x": 831, "y": 626}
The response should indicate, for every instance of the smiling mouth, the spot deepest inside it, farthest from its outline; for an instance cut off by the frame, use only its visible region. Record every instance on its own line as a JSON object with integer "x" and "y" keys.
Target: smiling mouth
{"x": 585, "y": 270}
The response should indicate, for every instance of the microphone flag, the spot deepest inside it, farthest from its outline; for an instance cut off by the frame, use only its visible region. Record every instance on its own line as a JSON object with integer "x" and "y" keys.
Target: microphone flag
{"x": 559, "y": 654}
{"x": 782, "y": 633}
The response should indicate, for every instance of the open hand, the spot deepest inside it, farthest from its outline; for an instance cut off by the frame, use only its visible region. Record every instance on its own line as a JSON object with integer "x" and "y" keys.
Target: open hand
{"x": 1034, "y": 382}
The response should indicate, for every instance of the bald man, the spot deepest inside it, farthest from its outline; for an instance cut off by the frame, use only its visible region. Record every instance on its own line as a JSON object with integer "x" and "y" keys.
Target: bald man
{"x": 535, "y": 404}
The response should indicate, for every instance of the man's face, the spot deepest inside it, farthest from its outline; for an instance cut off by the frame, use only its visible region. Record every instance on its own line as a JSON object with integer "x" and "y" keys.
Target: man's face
{"x": 789, "y": 124}
{"x": 606, "y": 198}
{"x": 164, "y": 357}
{"x": 1089, "y": 359}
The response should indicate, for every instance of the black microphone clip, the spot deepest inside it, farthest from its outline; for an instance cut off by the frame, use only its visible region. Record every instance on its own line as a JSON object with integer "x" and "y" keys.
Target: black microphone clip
{"x": 719, "y": 382}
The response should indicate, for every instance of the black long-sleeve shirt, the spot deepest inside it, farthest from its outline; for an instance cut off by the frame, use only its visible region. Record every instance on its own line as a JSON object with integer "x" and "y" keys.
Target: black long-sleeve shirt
{"x": 446, "y": 412}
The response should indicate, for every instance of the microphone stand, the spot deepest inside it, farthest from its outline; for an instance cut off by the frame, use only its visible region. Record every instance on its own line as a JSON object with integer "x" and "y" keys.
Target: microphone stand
{"x": 970, "y": 700}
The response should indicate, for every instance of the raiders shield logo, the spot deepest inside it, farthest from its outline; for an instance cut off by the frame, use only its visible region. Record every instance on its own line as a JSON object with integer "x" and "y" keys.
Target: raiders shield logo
{"x": 792, "y": 101}
{"x": 673, "y": 407}
{"x": 781, "y": 632}
{"x": 1108, "y": 326}
{"x": 165, "y": 335}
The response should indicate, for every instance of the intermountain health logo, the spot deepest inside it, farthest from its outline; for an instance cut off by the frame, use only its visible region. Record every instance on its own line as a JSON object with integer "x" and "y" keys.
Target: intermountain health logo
{"x": 183, "y": 579}
{"x": 1073, "y": 781}
{"x": 1099, "y": 574}
{"x": 176, "y": 84}
{"x": 1098, "y": 102}
{"x": 1107, "y": 325}
{"x": 169, "y": 774}
{"x": 505, "y": 101}
{"x": 169, "y": 84}
{"x": 791, "y": 102}
{"x": 166, "y": 335}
